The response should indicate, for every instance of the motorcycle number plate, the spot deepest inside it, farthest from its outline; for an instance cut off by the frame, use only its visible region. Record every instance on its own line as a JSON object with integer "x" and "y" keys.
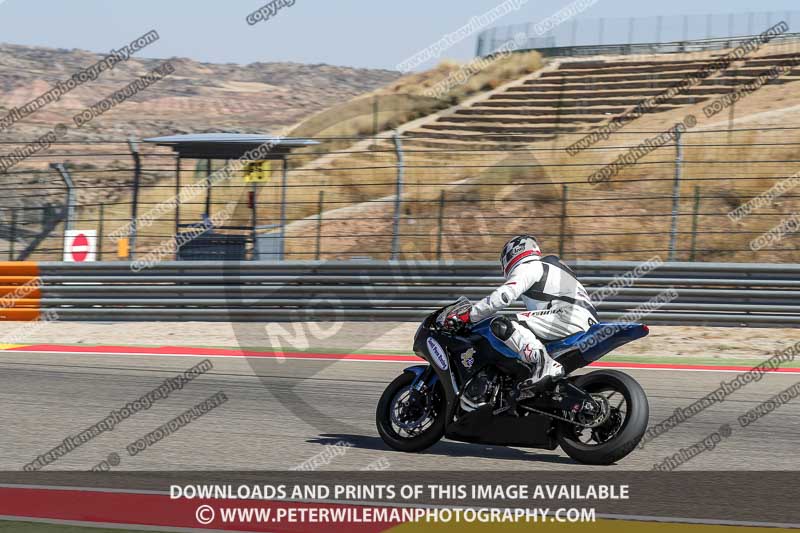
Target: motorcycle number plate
{"x": 437, "y": 353}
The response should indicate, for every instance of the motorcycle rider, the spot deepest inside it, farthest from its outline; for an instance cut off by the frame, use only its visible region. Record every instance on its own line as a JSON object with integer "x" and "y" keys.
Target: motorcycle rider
{"x": 558, "y": 306}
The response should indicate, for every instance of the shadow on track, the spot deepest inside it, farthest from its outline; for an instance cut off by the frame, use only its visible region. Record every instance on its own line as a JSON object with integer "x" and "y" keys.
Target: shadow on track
{"x": 445, "y": 448}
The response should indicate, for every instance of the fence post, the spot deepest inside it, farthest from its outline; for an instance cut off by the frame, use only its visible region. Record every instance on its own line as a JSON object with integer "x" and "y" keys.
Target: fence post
{"x": 100, "y": 232}
{"x": 208, "y": 188}
{"x": 732, "y": 109}
{"x": 676, "y": 195}
{"x": 694, "y": 220}
{"x": 398, "y": 147}
{"x": 601, "y": 26}
{"x": 253, "y": 192}
{"x": 685, "y": 28}
{"x": 564, "y": 192}
{"x": 441, "y": 224}
{"x": 479, "y": 45}
{"x": 13, "y": 236}
{"x": 785, "y": 45}
{"x": 68, "y": 183}
{"x": 177, "y": 194}
{"x": 574, "y": 37}
{"x": 559, "y": 108}
{"x": 631, "y": 30}
{"x": 319, "y": 224}
{"x": 375, "y": 116}
{"x": 137, "y": 173}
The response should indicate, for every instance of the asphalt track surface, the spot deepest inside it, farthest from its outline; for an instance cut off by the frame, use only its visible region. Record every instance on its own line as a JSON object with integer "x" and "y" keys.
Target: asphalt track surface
{"x": 281, "y": 413}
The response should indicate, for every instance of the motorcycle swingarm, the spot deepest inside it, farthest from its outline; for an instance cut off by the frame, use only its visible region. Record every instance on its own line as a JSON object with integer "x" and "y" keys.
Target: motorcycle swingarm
{"x": 568, "y": 397}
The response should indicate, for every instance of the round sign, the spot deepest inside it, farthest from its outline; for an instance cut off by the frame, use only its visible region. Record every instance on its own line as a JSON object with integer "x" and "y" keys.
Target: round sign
{"x": 79, "y": 248}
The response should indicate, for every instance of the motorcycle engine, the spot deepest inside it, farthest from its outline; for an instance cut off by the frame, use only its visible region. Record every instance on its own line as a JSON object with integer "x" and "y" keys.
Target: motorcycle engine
{"x": 479, "y": 390}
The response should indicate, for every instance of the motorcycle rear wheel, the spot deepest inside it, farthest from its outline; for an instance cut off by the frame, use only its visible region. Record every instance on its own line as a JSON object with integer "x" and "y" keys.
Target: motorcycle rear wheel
{"x": 408, "y": 421}
{"x": 623, "y": 430}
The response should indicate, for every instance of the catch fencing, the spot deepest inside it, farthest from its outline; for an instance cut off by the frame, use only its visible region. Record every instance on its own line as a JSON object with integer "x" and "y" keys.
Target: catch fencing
{"x": 716, "y": 294}
{"x": 660, "y": 34}
{"x": 456, "y": 203}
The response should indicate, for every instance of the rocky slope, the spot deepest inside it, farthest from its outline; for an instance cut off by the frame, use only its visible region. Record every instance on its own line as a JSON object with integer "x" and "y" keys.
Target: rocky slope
{"x": 259, "y": 97}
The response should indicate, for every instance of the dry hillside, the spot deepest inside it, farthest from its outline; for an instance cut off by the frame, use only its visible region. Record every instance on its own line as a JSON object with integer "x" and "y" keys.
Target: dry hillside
{"x": 196, "y": 97}
{"x": 259, "y": 97}
{"x": 506, "y": 172}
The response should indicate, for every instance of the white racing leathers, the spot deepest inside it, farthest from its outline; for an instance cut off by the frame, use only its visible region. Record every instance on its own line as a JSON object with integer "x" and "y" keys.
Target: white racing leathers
{"x": 558, "y": 306}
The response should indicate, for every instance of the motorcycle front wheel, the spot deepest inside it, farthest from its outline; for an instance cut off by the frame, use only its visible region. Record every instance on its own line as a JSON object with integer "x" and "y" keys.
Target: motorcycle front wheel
{"x": 623, "y": 426}
{"x": 408, "y": 420}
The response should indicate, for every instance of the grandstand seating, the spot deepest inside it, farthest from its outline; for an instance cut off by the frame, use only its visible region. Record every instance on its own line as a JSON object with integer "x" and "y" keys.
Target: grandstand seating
{"x": 584, "y": 94}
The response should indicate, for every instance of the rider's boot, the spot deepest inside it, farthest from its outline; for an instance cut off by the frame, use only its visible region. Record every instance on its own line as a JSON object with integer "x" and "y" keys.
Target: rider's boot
{"x": 544, "y": 369}
{"x": 533, "y": 377}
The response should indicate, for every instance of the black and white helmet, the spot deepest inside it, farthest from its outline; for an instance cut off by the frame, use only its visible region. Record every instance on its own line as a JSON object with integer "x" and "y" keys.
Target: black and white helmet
{"x": 521, "y": 249}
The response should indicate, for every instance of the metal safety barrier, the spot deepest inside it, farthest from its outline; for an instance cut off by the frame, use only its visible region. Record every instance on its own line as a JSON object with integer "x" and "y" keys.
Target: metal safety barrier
{"x": 679, "y": 293}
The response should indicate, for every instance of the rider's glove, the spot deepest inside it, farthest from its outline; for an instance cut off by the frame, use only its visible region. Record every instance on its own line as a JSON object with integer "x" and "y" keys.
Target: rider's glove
{"x": 457, "y": 322}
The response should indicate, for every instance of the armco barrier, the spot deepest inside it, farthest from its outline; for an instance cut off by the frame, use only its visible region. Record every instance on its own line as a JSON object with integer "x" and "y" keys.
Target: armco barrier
{"x": 20, "y": 291}
{"x": 724, "y": 294}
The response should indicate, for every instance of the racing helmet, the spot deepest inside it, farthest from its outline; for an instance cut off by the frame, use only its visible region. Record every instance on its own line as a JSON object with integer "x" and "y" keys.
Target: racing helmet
{"x": 521, "y": 249}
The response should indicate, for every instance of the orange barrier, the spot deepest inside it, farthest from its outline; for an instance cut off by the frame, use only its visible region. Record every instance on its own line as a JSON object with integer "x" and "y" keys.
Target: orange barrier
{"x": 19, "y": 268}
{"x": 20, "y": 291}
{"x": 8, "y": 292}
{"x": 20, "y": 315}
{"x": 15, "y": 303}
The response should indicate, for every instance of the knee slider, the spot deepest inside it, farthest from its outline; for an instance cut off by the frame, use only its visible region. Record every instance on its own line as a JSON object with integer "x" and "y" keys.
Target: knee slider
{"x": 502, "y": 328}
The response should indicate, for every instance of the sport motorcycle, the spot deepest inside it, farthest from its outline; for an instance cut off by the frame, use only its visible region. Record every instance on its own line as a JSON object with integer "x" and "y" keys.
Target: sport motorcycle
{"x": 467, "y": 392}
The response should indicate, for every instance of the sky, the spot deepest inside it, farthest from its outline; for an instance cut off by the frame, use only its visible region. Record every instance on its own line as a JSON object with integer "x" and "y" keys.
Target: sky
{"x": 358, "y": 33}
